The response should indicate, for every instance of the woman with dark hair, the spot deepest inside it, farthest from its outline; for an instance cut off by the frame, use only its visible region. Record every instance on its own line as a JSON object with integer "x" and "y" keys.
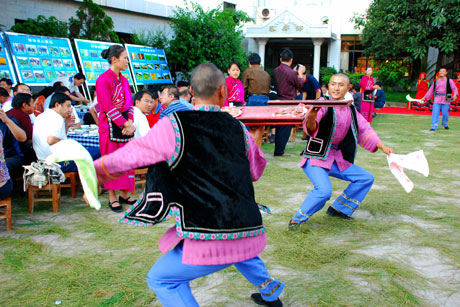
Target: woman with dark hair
{"x": 116, "y": 120}
{"x": 367, "y": 95}
{"x": 235, "y": 89}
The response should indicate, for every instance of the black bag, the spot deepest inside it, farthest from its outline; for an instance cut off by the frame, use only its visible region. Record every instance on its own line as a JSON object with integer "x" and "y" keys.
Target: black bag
{"x": 368, "y": 95}
{"x": 115, "y": 134}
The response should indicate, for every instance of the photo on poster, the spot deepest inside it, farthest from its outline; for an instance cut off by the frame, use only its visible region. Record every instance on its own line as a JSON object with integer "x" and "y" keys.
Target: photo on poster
{"x": 133, "y": 56}
{"x": 164, "y": 67}
{"x": 98, "y": 75}
{"x": 31, "y": 49}
{"x": 161, "y": 58}
{"x": 60, "y": 74}
{"x": 1, "y": 48}
{"x": 46, "y": 62}
{"x": 140, "y": 56}
{"x": 27, "y": 74}
{"x": 137, "y": 66}
{"x": 143, "y": 66}
{"x": 54, "y": 50}
{"x": 65, "y": 51}
{"x": 150, "y": 66}
{"x": 51, "y": 75}
{"x": 2, "y": 60}
{"x": 57, "y": 63}
{"x": 139, "y": 75}
{"x": 167, "y": 76}
{"x": 96, "y": 65}
{"x": 94, "y": 53}
{"x": 146, "y": 76}
{"x": 67, "y": 63}
{"x": 153, "y": 76}
{"x": 160, "y": 76}
{"x": 5, "y": 74}
{"x": 87, "y": 64}
{"x": 19, "y": 48}
{"x": 126, "y": 75}
{"x": 34, "y": 62}
{"x": 39, "y": 74}
{"x": 157, "y": 67}
{"x": 70, "y": 73}
{"x": 155, "y": 57}
{"x": 105, "y": 65}
{"x": 84, "y": 53}
{"x": 91, "y": 76}
{"x": 148, "y": 57}
{"x": 43, "y": 49}
{"x": 22, "y": 61}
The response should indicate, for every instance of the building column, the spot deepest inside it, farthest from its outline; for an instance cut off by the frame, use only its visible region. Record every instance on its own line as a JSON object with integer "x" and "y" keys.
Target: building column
{"x": 317, "y": 42}
{"x": 262, "y": 42}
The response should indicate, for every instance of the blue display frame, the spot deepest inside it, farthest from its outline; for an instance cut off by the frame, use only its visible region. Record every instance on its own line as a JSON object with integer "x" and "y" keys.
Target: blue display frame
{"x": 6, "y": 66}
{"x": 38, "y": 60}
{"x": 89, "y": 54}
{"x": 149, "y": 65}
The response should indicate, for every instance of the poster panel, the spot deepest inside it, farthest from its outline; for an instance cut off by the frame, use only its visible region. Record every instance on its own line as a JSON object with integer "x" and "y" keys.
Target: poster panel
{"x": 149, "y": 65}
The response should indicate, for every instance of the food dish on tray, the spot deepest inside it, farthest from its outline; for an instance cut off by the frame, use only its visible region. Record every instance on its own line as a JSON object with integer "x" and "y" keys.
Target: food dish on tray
{"x": 296, "y": 111}
{"x": 235, "y": 112}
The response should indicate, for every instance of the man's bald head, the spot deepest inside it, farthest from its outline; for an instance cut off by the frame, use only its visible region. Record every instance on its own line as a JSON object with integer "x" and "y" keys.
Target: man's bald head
{"x": 206, "y": 81}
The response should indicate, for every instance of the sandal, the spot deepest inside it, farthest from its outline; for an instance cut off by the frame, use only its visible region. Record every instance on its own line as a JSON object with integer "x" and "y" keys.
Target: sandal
{"x": 116, "y": 209}
{"x": 126, "y": 201}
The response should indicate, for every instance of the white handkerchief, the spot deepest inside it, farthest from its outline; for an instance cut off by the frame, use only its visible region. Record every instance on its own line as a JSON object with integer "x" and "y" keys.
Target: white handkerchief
{"x": 71, "y": 150}
{"x": 414, "y": 161}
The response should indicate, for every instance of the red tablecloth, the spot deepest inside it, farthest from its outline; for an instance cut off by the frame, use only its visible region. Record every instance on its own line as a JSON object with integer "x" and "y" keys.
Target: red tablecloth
{"x": 264, "y": 116}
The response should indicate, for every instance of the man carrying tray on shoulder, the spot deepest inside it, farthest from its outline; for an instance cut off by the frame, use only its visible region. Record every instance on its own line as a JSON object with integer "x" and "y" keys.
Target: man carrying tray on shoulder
{"x": 333, "y": 136}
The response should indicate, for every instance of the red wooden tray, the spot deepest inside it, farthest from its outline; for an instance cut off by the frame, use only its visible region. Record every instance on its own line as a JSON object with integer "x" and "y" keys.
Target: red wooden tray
{"x": 315, "y": 103}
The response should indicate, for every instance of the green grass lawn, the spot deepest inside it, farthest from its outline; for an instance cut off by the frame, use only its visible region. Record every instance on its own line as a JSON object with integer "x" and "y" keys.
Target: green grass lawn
{"x": 398, "y": 96}
{"x": 400, "y": 250}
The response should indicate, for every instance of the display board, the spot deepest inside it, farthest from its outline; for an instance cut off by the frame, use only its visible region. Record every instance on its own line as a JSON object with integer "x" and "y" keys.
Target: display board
{"x": 92, "y": 63}
{"x": 6, "y": 67}
{"x": 149, "y": 65}
{"x": 39, "y": 59}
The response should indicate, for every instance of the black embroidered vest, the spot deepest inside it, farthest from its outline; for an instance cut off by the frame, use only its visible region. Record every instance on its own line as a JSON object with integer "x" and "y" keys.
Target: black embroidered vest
{"x": 318, "y": 147}
{"x": 207, "y": 186}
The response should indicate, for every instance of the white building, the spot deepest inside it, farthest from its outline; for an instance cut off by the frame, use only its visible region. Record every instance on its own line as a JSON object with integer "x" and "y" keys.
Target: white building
{"x": 319, "y": 32}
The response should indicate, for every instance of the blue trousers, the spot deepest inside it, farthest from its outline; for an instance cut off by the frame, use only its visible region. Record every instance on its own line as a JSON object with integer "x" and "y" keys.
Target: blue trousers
{"x": 435, "y": 115}
{"x": 281, "y": 138}
{"x": 257, "y": 100}
{"x": 360, "y": 183}
{"x": 169, "y": 278}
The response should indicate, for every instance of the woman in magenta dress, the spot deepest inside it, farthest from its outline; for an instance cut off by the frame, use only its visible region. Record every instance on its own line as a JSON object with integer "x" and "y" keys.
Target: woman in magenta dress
{"x": 235, "y": 89}
{"x": 367, "y": 95}
{"x": 422, "y": 86}
{"x": 116, "y": 120}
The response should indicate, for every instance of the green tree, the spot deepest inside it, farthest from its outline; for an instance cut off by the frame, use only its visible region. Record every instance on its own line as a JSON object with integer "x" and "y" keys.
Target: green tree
{"x": 92, "y": 23}
{"x": 406, "y": 28}
{"x": 42, "y": 26}
{"x": 206, "y": 36}
{"x": 156, "y": 38}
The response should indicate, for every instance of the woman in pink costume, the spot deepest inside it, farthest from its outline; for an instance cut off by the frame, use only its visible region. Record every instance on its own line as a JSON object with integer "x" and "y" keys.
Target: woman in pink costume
{"x": 235, "y": 89}
{"x": 114, "y": 98}
{"x": 367, "y": 97}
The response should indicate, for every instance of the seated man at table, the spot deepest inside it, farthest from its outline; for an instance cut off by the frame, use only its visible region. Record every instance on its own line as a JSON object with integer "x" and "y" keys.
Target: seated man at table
{"x": 17, "y": 89}
{"x": 143, "y": 104}
{"x": 73, "y": 84}
{"x": 154, "y": 116}
{"x": 63, "y": 90}
{"x": 51, "y": 127}
{"x": 12, "y": 135}
{"x": 23, "y": 106}
{"x": 169, "y": 97}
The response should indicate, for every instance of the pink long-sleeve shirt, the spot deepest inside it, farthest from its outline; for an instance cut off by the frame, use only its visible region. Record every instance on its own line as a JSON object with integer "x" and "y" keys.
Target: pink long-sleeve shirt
{"x": 441, "y": 86}
{"x": 157, "y": 146}
{"x": 367, "y": 137}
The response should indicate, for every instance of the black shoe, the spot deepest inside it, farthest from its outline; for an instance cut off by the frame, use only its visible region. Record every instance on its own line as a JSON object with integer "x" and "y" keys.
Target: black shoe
{"x": 446, "y": 127}
{"x": 257, "y": 298}
{"x": 332, "y": 212}
{"x": 293, "y": 226}
{"x": 432, "y": 129}
{"x": 126, "y": 201}
{"x": 116, "y": 209}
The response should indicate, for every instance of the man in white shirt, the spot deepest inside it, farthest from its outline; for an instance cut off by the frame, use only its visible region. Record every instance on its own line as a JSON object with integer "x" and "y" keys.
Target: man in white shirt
{"x": 66, "y": 91}
{"x": 143, "y": 104}
{"x": 51, "y": 127}
{"x": 73, "y": 84}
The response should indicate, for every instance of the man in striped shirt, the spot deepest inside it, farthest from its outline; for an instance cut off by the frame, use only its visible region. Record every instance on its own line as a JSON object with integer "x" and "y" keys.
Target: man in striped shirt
{"x": 169, "y": 97}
